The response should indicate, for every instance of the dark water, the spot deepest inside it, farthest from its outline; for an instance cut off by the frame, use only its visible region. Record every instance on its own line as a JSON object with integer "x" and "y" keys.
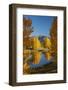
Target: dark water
{"x": 43, "y": 61}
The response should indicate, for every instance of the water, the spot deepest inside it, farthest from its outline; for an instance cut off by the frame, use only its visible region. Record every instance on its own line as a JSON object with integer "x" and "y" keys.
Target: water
{"x": 43, "y": 61}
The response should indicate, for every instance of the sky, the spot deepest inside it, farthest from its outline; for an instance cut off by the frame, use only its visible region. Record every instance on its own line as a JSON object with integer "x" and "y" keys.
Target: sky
{"x": 41, "y": 24}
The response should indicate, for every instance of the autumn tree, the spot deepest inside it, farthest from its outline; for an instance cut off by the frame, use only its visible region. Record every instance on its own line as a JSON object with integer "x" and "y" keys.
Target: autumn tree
{"x": 27, "y": 30}
{"x": 53, "y": 34}
{"x": 47, "y": 43}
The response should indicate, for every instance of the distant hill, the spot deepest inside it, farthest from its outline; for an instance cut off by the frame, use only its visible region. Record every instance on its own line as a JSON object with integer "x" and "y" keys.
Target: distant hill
{"x": 41, "y": 38}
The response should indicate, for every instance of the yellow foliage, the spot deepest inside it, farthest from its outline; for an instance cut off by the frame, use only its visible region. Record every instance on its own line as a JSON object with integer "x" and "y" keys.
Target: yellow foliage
{"x": 36, "y": 57}
{"x": 53, "y": 34}
{"x": 35, "y": 43}
{"x": 47, "y": 43}
{"x": 26, "y": 53}
{"x": 48, "y": 55}
{"x": 26, "y": 68}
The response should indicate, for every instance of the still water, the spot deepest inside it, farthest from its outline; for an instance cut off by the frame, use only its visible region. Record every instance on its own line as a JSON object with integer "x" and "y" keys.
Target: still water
{"x": 43, "y": 61}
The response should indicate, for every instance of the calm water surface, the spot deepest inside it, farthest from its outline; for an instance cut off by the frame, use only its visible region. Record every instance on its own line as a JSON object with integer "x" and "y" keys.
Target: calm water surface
{"x": 43, "y": 61}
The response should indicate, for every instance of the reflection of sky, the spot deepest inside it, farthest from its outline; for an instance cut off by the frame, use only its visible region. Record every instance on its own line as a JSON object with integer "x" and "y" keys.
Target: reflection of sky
{"x": 41, "y": 24}
{"x": 43, "y": 61}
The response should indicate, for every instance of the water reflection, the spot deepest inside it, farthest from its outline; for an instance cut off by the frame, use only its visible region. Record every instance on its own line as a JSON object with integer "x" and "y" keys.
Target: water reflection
{"x": 38, "y": 61}
{"x": 42, "y": 61}
{"x": 37, "y": 58}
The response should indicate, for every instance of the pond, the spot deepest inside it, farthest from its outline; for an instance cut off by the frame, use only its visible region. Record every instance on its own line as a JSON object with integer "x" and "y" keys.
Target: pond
{"x": 42, "y": 61}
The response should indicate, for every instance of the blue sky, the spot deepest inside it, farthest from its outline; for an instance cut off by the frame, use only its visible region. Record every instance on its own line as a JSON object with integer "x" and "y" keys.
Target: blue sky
{"x": 41, "y": 24}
